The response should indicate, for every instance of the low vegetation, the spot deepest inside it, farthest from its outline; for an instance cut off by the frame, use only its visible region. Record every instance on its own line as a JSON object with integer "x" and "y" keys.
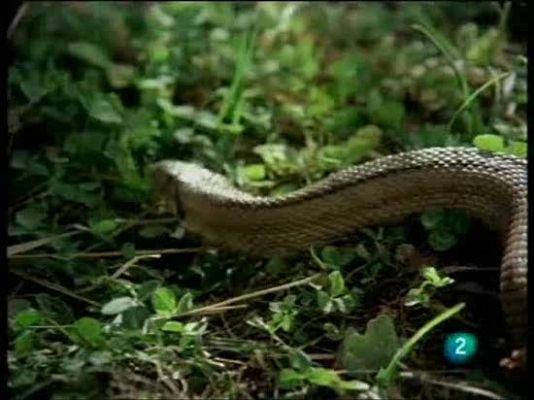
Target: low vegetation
{"x": 109, "y": 296}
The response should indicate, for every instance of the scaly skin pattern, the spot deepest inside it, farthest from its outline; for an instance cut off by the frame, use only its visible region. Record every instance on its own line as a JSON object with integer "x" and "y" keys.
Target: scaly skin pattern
{"x": 492, "y": 187}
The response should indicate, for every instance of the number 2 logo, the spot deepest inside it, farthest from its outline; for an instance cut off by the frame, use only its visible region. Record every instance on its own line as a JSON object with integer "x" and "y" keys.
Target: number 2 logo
{"x": 460, "y": 346}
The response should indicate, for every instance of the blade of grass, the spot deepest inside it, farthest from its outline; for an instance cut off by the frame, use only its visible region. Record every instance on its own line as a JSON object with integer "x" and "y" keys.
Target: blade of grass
{"x": 445, "y": 50}
{"x": 23, "y": 9}
{"x": 386, "y": 376}
{"x": 231, "y": 108}
{"x": 504, "y": 12}
{"x": 233, "y": 103}
{"x": 472, "y": 97}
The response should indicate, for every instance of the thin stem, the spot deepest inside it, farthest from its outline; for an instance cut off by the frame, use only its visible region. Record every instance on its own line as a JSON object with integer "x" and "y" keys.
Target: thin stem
{"x": 448, "y": 56}
{"x": 249, "y": 296}
{"x": 107, "y": 254}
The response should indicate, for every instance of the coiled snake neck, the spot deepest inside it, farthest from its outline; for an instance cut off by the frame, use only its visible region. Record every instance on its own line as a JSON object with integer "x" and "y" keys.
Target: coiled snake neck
{"x": 492, "y": 187}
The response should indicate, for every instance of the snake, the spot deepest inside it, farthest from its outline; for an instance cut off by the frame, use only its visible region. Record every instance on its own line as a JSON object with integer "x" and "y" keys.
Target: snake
{"x": 490, "y": 186}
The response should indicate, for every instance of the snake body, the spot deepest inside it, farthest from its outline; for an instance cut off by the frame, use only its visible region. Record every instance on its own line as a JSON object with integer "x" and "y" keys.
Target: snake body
{"x": 492, "y": 187}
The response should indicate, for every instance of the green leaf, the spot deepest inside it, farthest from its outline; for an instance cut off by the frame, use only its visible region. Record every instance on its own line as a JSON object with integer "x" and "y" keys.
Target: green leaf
{"x": 518, "y": 149}
{"x": 105, "y": 226}
{"x": 289, "y": 378}
{"x": 75, "y": 193}
{"x": 337, "y": 283}
{"x": 185, "y": 304}
{"x": 284, "y": 188}
{"x": 89, "y": 330}
{"x": 345, "y": 303}
{"x": 432, "y": 219}
{"x": 431, "y": 135}
{"x": 195, "y": 328}
{"x": 31, "y": 218}
{"x": 370, "y": 351}
{"x": 86, "y": 146}
{"x": 320, "y": 103}
{"x": 432, "y": 276}
{"x": 284, "y": 313}
{"x": 276, "y": 265}
{"x": 342, "y": 122}
{"x": 324, "y": 302}
{"x": 128, "y": 250}
{"x": 347, "y": 73}
{"x": 134, "y": 318}
{"x": 153, "y": 231}
{"x": 103, "y": 110}
{"x": 371, "y": 133}
{"x": 353, "y": 385}
{"x": 88, "y": 186}
{"x": 118, "y": 305}
{"x": 442, "y": 240}
{"x": 359, "y": 147}
{"x": 338, "y": 256}
{"x": 323, "y": 377}
{"x": 22, "y": 378}
{"x": 89, "y": 53}
{"x": 254, "y": 172}
{"x": 146, "y": 289}
{"x": 33, "y": 89}
{"x": 299, "y": 359}
{"x": 444, "y": 227}
{"x": 363, "y": 143}
{"x": 173, "y": 326}
{"x": 333, "y": 155}
{"x": 489, "y": 142}
{"x": 484, "y": 50}
{"x": 27, "y": 318}
{"x": 280, "y": 158}
{"x": 286, "y": 323}
{"x": 385, "y": 112}
{"x": 37, "y": 168}
{"x": 391, "y": 115}
{"x": 24, "y": 343}
{"x": 456, "y": 221}
{"x": 416, "y": 296}
{"x": 164, "y": 301}
{"x": 120, "y": 76}
{"x": 329, "y": 378}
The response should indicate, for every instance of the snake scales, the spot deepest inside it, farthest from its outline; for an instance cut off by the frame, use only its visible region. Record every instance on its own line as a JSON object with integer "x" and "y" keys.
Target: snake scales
{"x": 492, "y": 187}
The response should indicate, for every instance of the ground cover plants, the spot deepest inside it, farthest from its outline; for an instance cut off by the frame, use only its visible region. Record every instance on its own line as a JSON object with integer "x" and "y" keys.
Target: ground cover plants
{"x": 109, "y": 296}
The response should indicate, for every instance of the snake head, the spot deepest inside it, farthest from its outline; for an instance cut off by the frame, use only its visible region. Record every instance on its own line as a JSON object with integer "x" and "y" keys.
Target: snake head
{"x": 166, "y": 182}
